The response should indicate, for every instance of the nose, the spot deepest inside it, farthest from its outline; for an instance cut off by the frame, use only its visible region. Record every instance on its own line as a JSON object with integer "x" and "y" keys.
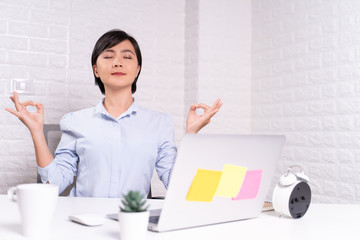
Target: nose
{"x": 117, "y": 62}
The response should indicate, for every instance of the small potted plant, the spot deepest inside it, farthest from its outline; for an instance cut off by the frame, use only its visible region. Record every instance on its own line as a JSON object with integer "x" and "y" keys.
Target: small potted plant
{"x": 133, "y": 217}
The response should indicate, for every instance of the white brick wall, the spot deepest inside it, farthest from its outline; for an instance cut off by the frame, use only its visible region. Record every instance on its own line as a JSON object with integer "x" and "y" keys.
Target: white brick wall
{"x": 305, "y": 77}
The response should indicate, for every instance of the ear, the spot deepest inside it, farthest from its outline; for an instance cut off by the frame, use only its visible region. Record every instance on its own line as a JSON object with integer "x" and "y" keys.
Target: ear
{"x": 138, "y": 70}
{"x": 95, "y": 71}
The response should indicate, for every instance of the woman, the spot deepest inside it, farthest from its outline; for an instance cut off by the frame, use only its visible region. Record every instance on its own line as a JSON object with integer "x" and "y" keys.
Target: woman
{"x": 113, "y": 147}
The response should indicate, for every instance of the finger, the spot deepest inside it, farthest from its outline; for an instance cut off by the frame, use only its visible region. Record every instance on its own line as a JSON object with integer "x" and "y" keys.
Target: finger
{"x": 28, "y": 103}
{"x": 210, "y": 114}
{"x": 16, "y": 101}
{"x": 40, "y": 108}
{"x": 203, "y": 106}
{"x": 210, "y": 111}
{"x": 214, "y": 109}
{"x": 193, "y": 107}
{"x": 217, "y": 104}
{"x": 12, "y": 111}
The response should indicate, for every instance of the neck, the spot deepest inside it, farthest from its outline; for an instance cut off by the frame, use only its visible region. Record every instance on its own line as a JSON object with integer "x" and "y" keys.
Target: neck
{"x": 116, "y": 103}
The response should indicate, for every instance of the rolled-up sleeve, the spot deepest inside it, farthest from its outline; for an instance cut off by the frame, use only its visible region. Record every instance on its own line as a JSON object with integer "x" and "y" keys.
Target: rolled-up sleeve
{"x": 166, "y": 151}
{"x": 63, "y": 168}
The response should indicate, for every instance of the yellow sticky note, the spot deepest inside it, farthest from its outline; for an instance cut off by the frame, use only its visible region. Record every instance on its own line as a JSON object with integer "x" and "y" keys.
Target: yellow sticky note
{"x": 231, "y": 180}
{"x": 204, "y": 185}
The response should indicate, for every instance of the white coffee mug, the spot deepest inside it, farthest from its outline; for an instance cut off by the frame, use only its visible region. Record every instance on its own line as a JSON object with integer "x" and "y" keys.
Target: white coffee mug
{"x": 37, "y": 203}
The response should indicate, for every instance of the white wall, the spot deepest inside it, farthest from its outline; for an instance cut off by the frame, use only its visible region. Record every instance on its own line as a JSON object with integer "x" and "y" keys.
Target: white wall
{"x": 218, "y": 61}
{"x": 225, "y": 62}
{"x": 306, "y": 85}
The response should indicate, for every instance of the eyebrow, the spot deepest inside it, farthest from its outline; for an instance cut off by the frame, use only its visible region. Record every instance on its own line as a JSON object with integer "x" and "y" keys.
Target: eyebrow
{"x": 122, "y": 51}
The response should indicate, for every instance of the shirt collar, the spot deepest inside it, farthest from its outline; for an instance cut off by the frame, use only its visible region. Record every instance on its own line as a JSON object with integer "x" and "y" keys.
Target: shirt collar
{"x": 134, "y": 107}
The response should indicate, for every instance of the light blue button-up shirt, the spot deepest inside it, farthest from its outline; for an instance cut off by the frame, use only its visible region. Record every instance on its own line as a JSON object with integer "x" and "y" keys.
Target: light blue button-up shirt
{"x": 112, "y": 156}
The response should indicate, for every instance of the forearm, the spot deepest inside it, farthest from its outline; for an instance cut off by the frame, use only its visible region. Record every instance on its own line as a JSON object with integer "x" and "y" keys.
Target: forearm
{"x": 42, "y": 151}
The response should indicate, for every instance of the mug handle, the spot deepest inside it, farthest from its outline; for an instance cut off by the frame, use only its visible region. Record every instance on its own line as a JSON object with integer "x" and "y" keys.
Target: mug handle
{"x": 12, "y": 194}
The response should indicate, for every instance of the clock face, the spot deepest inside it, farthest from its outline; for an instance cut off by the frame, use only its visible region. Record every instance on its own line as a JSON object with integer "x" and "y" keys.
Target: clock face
{"x": 299, "y": 201}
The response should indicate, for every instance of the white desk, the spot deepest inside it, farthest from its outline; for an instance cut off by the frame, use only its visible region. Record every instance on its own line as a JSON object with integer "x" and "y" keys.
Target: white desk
{"x": 322, "y": 221}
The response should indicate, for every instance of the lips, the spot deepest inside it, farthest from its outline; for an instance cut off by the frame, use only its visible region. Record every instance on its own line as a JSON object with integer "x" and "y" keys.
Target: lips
{"x": 118, "y": 74}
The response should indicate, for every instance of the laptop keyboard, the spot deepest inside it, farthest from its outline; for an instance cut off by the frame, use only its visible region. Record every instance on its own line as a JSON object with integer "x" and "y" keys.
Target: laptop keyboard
{"x": 154, "y": 219}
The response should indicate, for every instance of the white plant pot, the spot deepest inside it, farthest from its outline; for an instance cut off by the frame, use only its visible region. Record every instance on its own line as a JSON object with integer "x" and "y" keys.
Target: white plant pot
{"x": 133, "y": 225}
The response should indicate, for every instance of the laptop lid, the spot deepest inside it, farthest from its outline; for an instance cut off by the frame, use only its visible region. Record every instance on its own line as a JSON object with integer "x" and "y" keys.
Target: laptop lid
{"x": 219, "y": 178}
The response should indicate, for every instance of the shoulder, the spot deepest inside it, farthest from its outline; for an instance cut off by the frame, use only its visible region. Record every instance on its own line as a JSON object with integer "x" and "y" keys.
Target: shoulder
{"x": 155, "y": 115}
{"x": 158, "y": 123}
{"x": 77, "y": 117}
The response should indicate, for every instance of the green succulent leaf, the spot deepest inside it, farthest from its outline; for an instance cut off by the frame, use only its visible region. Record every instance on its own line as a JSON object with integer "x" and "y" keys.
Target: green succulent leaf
{"x": 133, "y": 202}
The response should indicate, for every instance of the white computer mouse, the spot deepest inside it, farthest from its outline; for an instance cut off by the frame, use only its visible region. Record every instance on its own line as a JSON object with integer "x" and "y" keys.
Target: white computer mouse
{"x": 88, "y": 219}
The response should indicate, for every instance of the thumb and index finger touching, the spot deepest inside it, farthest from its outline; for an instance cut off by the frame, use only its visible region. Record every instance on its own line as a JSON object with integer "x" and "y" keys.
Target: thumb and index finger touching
{"x": 207, "y": 109}
{"x": 22, "y": 106}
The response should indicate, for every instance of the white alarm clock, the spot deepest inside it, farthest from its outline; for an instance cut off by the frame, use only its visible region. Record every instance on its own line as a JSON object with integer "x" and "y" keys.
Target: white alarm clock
{"x": 292, "y": 195}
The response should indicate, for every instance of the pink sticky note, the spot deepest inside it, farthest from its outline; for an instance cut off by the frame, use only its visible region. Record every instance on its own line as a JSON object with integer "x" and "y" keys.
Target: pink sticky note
{"x": 250, "y": 186}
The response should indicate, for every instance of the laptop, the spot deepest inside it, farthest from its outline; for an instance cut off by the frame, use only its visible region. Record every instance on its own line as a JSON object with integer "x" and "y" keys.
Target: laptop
{"x": 217, "y": 179}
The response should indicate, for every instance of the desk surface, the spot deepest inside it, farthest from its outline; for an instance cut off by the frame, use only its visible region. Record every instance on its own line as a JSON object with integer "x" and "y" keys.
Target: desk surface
{"x": 322, "y": 221}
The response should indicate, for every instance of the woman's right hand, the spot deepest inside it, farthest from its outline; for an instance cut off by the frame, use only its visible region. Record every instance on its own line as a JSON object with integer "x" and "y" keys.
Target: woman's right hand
{"x": 34, "y": 121}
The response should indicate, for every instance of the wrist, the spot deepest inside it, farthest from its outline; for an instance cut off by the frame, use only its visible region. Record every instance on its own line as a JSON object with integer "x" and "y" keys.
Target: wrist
{"x": 190, "y": 131}
{"x": 37, "y": 134}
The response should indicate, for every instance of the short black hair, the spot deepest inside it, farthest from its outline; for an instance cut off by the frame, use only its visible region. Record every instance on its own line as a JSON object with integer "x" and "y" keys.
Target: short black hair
{"x": 108, "y": 40}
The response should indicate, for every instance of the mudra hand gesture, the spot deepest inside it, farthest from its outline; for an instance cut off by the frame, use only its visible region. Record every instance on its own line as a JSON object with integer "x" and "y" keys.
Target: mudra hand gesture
{"x": 33, "y": 120}
{"x": 196, "y": 122}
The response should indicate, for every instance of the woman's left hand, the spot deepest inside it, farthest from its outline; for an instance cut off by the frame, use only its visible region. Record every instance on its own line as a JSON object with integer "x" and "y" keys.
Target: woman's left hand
{"x": 196, "y": 122}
